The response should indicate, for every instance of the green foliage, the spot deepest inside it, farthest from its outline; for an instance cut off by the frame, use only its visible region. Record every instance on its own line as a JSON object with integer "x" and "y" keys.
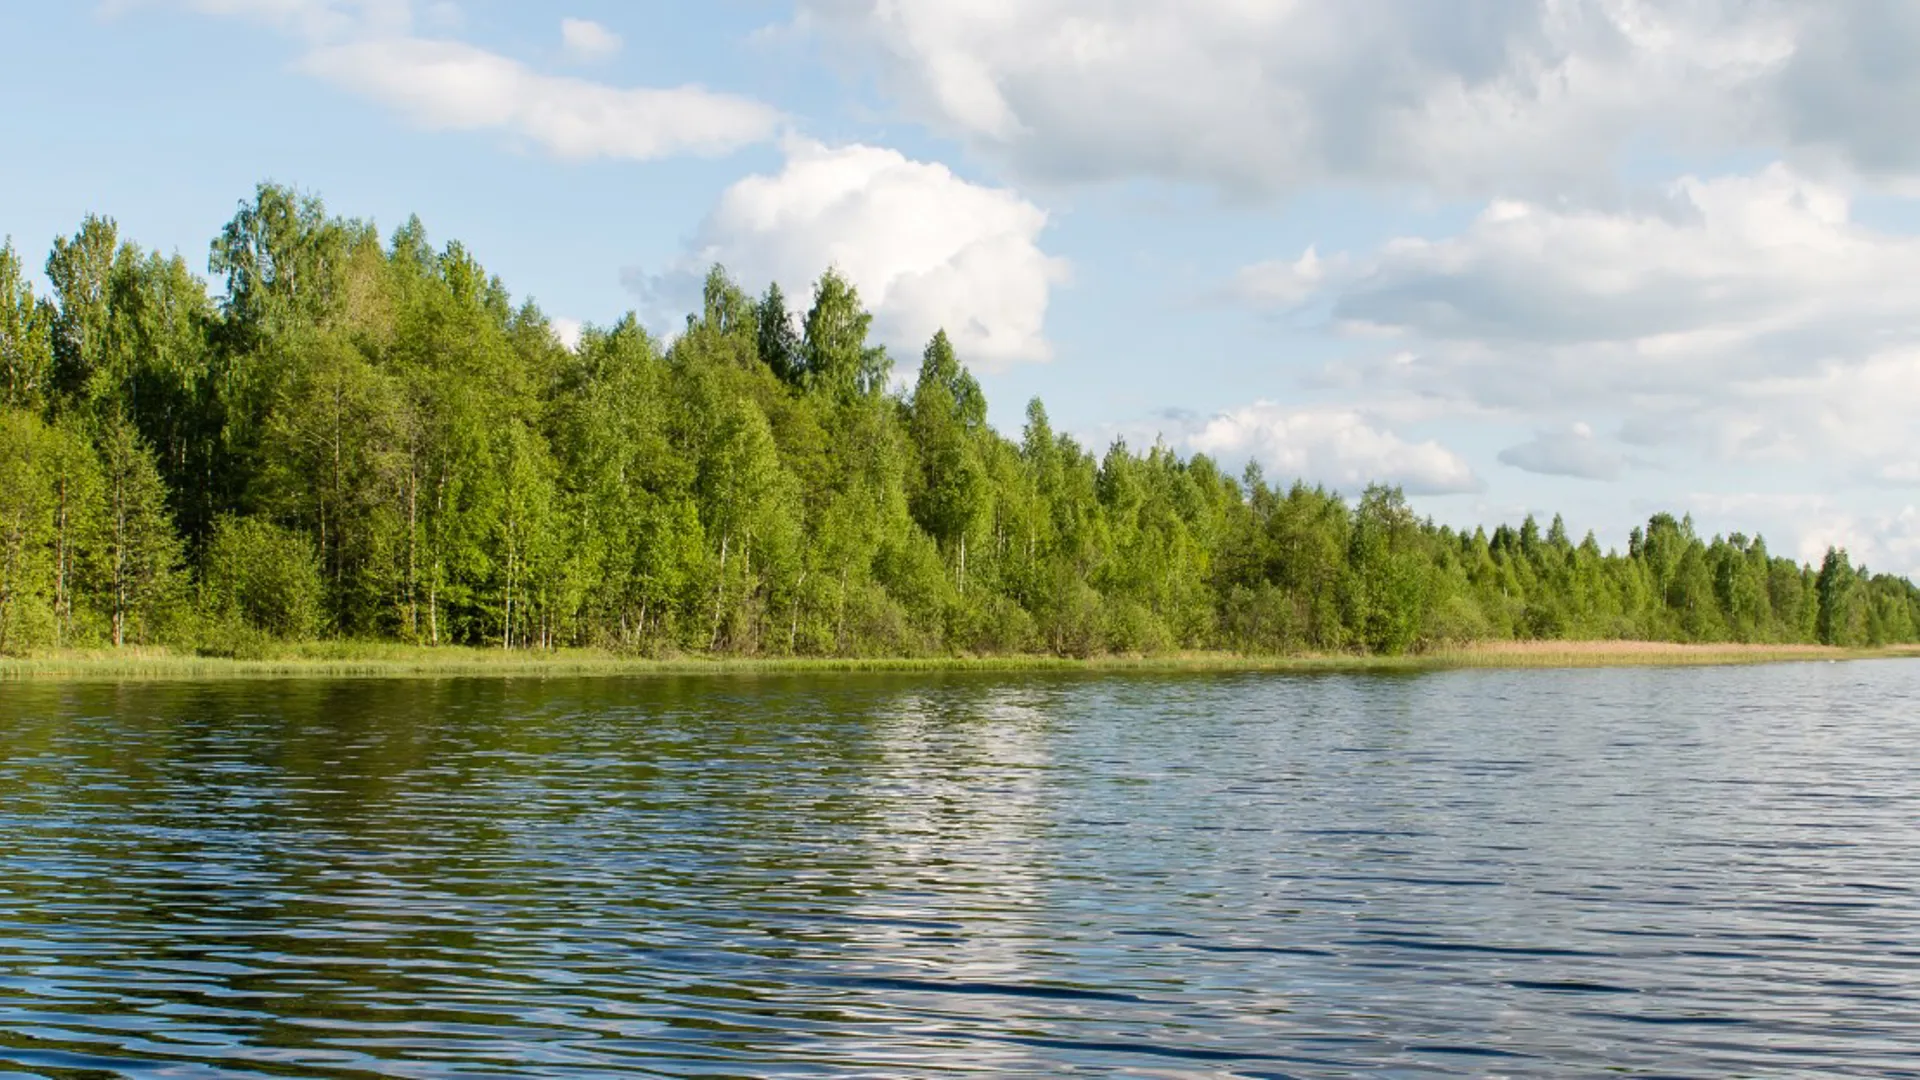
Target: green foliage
{"x": 262, "y": 577}
{"x": 26, "y": 337}
{"x": 1843, "y": 604}
{"x": 839, "y": 360}
{"x": 775, "y": 341}
{"x": 1386, "y": 589}
{"x": 27, "y": 582}
{"x": 133, "y": 558}
{"x": 373, "y": 439}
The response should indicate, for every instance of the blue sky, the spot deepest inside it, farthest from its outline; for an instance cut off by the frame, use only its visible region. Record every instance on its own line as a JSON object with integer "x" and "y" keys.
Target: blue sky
{"x": 1596, "y": 256}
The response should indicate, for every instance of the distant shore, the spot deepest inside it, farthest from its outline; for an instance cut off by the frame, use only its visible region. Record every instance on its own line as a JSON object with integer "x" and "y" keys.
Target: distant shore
{"x": 352, "y": 660}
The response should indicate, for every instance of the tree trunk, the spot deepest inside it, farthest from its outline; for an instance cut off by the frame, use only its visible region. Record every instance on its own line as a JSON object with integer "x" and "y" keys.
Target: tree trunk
{"x": 719, "y": 592}
{"x": 15, "y": 547}
{"x": 119, "y": 561}
{"x": 62, "y": 603}
{"x": 506, "y": 637}
{"x": 413, "y": 532}
{"x": 840, "y": 627}
{"x": 334, "y": 500}
{"x": 119, "y": 594}
{"x": 439, "y": 565}
{"x": 793, "y": 630}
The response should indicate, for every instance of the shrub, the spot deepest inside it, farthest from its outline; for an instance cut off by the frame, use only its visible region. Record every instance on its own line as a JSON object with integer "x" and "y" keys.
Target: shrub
{"x": 261, "y": 577}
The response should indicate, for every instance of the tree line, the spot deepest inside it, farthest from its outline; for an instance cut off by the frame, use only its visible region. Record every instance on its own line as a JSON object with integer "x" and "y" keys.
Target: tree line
{"x": 368, "y": 438}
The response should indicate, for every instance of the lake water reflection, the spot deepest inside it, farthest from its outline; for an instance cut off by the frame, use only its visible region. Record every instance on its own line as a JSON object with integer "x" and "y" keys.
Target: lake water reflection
{"x": 1708, "y": 872}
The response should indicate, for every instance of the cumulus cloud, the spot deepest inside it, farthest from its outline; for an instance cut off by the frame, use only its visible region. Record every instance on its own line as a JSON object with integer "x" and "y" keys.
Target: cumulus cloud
{"x": 1858, "y": 409}
{"x": 1850, "y": 90}
{"x": 587, "y": 41}
{"x": 452, "y": 85}
{"x": 1899, "y": 473}
{"x": 568, "y": 331}
{"x": 1334, "y": 446}
{"x": 314, "y": 20}
{"x": 1751, "y": 316}
{"x": 1470, "y": 96}
{"x": 1736, "y": 258}
{"x": 374, "y": 48}
{"x": 1280, "y": 285}
{"x": 1804, "y": 525}
{"x": 1571, "y": 452}
{"x": 927, "y": 249}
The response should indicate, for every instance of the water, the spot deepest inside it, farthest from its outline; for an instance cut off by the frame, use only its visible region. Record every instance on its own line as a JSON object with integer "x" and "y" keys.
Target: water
{"x": 1710, "y": 872}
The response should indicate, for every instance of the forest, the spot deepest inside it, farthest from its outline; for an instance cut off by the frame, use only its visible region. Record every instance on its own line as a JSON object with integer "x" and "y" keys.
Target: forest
{"x": 358, "y": 438}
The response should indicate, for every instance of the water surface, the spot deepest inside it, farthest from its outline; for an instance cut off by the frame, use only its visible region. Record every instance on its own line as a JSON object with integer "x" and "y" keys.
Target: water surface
{"x": 1705, "y": 872}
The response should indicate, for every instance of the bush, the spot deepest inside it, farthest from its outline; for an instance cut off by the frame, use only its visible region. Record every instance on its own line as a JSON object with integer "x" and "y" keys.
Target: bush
{"x": 986, "y": 622}
{"x": 230, "y": 638}
{"x": 1073, "y": 626}
{"x": 1262, "y": 620}
{"x": 1131, "y": 628}
{"x": 1457, "y": 620}
{"x": 260, "y": 577}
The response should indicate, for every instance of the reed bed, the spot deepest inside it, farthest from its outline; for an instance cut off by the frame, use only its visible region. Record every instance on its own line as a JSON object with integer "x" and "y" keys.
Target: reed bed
{"x": 367, "y": 660}
{"x": 1563, "y": 654}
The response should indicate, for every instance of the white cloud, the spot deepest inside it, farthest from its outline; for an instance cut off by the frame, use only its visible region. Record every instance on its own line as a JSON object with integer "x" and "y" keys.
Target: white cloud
{"x": 452, "y": 85}
{"x": 1851, "y": 90}
{"x": 1900, "y": 473}
{"x": 1334, "y": 446}
{"x": 1750, "y": 316}
{"x": 1730, "y": 259}
{"x": 374, "y": 48}
{"x": 1803, "y": 526}
{"x": 567, "y": 331}
{"x": 314, "y": 20}
{"x": 1280, "y": 285}
{"x": 1469, "y": 96}
{"x": 587, "y": 41}
{"x": 925, "y": 248}
{"x": 1570, "y": 452}
{"x": 1861, "y": 409}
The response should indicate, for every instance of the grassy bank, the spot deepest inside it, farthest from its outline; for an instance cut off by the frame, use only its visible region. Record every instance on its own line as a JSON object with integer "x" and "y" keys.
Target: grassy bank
{"x": 1563, "y": 654}
{"x": 353, "y": 660}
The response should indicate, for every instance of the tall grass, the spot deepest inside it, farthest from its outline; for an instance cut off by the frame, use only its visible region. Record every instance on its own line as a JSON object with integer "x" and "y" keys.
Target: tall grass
{"x": 346, "y": 659}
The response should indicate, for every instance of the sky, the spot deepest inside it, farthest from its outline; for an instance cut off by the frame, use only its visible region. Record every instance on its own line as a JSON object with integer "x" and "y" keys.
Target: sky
{"x": 1599, "y": 257}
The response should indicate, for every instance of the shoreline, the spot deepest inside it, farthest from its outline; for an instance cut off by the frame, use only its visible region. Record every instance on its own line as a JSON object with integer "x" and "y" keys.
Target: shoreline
{"x": 348, "y": 660}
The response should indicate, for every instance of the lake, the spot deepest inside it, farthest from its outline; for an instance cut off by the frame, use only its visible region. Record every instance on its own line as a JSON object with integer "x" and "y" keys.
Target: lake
{"x": 1680, "y": 872}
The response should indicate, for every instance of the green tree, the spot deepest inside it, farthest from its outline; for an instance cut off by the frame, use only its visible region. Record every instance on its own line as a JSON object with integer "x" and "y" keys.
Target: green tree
{"x": 1386, "y": 592}
{"x": 1842, "y": 612}
{"x": 81, "y": 270}
{"x": 525, "y": 534}
{"x": 74, "y": 477}
{"x": 26, "y": 341}
{"x": 746, "y": 504}
{"x": 839, "y": 361}
{"x": 953, "y": 491}
{"x": 27, "y": 458}
{"x": 377, "y": 439}
{"x": 263, "y": 576}
{"x": 285, "y": 263}
{"x": 333, "y": 459}
{"x": 134, "y": 555}
{"x": 778, "y": 342}
{"x": 159, "y": 359}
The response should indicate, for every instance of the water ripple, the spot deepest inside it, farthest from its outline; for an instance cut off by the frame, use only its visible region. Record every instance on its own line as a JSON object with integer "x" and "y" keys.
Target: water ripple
{"x": 1649, "y": 873}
